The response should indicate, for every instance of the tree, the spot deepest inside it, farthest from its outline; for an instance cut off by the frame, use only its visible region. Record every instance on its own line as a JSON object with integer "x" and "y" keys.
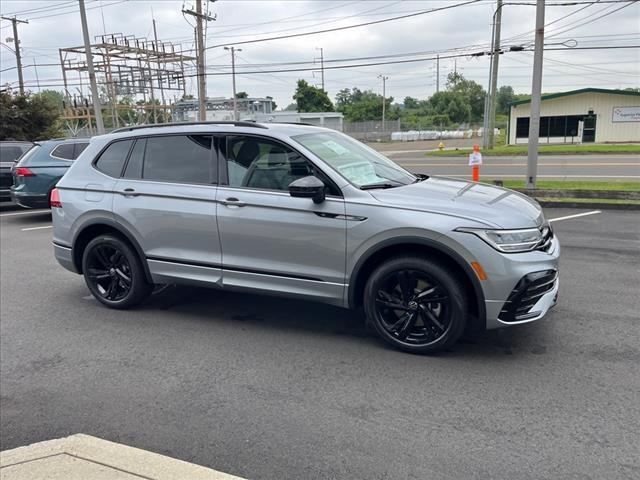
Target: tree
{"x": 29, "y": 117}
{"x": 410, "y": 102}
{"x": 504, "y": 96}
{"x": 470, "y": 92}
{"x": 242, "y": 95}
{"x": 292, "y": 107}
{"x": 311, "y": 99}
{"x": 360, "y": 106}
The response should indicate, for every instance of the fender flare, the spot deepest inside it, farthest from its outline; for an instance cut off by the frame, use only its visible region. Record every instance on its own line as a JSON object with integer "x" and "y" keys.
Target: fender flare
{"x": 444, "y": 249}
{"x": 115, "y": 226}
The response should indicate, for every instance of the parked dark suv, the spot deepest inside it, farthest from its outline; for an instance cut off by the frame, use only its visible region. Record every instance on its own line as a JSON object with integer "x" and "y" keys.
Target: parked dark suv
{"x": 10, "y": 151}
{"x": 38, "y": 171}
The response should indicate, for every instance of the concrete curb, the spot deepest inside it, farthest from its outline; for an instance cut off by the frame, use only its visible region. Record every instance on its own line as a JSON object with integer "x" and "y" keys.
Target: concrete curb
{"x": 595, "y": 205}
{"x": 80, "y": 457}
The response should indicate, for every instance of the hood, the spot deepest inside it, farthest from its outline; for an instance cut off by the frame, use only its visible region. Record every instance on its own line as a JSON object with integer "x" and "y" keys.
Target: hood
{"x": 495, "y": 206}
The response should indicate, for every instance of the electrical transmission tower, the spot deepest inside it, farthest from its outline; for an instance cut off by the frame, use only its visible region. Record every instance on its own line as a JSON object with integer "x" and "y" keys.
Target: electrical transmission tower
{"x": 125, "y": 66}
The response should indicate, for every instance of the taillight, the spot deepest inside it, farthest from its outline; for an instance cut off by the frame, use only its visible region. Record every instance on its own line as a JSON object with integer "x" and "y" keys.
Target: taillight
{"x": 23, "y": 172}
{"x": 54, "y": 199}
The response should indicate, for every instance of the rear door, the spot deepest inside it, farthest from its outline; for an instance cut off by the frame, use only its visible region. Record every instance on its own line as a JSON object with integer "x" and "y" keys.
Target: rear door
{"x": 166, "y": 197}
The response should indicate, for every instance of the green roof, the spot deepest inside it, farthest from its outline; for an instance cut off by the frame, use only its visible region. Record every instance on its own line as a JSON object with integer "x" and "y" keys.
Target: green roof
{"x": 577, "y": 92}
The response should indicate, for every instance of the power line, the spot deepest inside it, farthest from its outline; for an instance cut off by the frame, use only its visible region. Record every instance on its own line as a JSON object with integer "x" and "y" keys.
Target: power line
{"x": 374, "y": 22}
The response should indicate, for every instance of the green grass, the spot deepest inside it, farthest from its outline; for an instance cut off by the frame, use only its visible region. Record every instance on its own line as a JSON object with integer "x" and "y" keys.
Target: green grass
{"x": 589, "y": 200}
{"x": 576, "y": 185}
{"x": 543, "y": 149}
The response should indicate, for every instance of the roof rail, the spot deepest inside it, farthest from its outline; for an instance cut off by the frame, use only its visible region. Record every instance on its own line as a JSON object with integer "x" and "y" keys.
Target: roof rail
{"x": 294, "y": 123}
{"x": 178, "y": 124}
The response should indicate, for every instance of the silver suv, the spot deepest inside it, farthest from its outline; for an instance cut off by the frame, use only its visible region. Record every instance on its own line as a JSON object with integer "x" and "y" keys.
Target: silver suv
{"x": 304, "y": 212}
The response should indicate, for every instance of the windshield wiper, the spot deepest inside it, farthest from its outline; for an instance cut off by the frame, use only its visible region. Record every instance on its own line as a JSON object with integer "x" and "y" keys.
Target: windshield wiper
{"x": 420, "y": 177}
{"x": 371, "y": 186}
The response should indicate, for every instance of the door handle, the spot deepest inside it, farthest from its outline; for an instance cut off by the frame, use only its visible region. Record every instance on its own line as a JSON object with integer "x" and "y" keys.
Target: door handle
{"x": 232, "y": 202}
{"x": 129, "y": 192}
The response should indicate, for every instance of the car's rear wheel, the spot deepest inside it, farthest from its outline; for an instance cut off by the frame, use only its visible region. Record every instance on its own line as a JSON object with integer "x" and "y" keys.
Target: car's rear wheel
{"x": 113, "y": 272}
{"x": 415, "y": 304}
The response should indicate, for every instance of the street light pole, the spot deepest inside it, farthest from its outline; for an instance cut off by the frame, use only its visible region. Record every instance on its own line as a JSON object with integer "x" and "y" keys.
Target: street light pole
{"x": 233, "y": 79}
{"x": 16, "y": 41}
{"x": 384, "y": 98}
{"x": 92, "y": 74}
{"x": 536, "y": 90}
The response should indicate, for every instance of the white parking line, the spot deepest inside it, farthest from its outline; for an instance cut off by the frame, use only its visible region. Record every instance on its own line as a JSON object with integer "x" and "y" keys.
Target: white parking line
{"x": 36, "y": 228}
{"x": 594, "y": 212}
{"x": 28, "y": 212}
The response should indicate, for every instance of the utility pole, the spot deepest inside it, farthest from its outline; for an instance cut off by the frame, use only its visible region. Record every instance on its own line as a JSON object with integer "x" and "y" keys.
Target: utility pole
{"x": 14, "y": 21}
{"x": 155, "y": 36}
{"x": 92, "y": 73}
{"x": 495, "y": 57}
{"x": 233, "y": 51}
{"x": 384, "y": 97}
{"x": 536, "y": 89}
{"x": 321, "y": 66}
{"x": 437, "y": 73}
{"x": 202, "y": 83}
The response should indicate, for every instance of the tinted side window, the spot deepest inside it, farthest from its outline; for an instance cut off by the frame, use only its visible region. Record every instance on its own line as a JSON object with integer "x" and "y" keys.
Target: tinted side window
{"x": 134, "y": 166}
{"x": 64, "y": 150}
{"x": 79, "y": 148}
{"x": 112, "y": 159}
{"x": 178, "y": 158}
{"x": 261, "y": 163}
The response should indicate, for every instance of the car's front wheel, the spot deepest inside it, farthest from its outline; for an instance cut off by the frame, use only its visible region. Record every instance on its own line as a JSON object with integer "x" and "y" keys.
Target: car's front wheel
{"x": 415, "y": 304}
{"x": 113, "y": 272}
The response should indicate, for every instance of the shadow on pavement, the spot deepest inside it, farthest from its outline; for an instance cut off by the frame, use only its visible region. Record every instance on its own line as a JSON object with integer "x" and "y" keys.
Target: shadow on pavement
{"x": 252, "y": 311}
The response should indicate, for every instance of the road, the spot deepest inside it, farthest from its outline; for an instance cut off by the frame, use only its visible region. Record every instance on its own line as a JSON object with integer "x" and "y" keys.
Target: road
{"x": 568, "y": 167}
{"x": 269, "y": 388}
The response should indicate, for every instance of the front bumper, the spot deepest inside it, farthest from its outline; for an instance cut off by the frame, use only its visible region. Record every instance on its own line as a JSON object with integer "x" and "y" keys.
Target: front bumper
{"x": 521, "y": 288}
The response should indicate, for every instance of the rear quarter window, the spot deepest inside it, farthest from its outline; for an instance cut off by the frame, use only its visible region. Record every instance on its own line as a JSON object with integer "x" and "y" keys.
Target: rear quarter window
{"x": 111, "y": 161}
{"x": 64, "y": 151}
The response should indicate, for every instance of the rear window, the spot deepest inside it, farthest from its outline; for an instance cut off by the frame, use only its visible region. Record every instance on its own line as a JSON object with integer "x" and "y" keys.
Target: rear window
{"x": 113, "y": 158}
{"x": 10, "y": 153}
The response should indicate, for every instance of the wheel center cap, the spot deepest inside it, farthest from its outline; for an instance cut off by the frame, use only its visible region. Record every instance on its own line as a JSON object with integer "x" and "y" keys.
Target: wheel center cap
{"x": 112, "y": 271}
{"x": 413, "y": 305}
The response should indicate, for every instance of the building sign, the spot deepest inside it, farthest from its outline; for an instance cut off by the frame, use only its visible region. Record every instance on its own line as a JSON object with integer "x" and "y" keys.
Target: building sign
{"x": 626, "y": 114}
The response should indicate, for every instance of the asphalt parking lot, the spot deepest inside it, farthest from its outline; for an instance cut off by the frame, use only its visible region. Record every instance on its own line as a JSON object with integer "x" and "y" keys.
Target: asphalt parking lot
{"x": 268, "y": 388}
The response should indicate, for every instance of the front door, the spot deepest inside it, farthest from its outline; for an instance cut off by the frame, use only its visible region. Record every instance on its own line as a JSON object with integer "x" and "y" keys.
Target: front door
{"x": 270, "y": 240}
{"x": 167, "y": 199}
{"x": 589, "y": 129}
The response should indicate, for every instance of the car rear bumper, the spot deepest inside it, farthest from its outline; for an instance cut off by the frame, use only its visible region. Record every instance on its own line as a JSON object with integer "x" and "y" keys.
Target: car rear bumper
{"x": 64, "y": 256}
{"x": 29, "y": 200}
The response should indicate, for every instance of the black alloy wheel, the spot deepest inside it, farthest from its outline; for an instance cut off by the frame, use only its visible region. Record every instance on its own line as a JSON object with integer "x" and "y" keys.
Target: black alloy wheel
{"x": 415, "y": 304}
{"x": 109, "y": 271}
{"x": 413, "y": 307}
{"x": 113, "y": 272}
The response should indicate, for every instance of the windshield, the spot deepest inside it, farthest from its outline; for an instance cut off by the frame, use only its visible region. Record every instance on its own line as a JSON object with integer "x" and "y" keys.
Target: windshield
{"x": 356, "y": 162}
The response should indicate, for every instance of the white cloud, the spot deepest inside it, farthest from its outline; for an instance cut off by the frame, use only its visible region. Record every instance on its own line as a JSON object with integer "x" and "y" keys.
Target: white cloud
{"x": 244, "y": 20}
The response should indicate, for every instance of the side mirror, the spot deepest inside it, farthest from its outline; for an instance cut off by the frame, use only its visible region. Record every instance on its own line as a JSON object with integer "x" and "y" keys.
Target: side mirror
{"x": 308, "y": 187}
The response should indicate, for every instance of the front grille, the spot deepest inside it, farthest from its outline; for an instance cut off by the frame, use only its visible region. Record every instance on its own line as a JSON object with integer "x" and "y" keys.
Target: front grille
{"x": 526, "y": 294}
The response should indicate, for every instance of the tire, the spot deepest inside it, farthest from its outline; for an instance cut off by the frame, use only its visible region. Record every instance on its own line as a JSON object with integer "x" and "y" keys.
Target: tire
{"x": 415, "y": 304}
{"x": 113, "y": 272}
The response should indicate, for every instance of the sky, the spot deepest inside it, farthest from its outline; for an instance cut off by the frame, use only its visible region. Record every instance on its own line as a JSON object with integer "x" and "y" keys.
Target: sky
{"x": 56, "y": 24}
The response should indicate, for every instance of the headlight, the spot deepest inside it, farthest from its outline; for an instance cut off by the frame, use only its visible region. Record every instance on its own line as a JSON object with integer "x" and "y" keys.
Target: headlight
{"x": 509, "y": 241}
